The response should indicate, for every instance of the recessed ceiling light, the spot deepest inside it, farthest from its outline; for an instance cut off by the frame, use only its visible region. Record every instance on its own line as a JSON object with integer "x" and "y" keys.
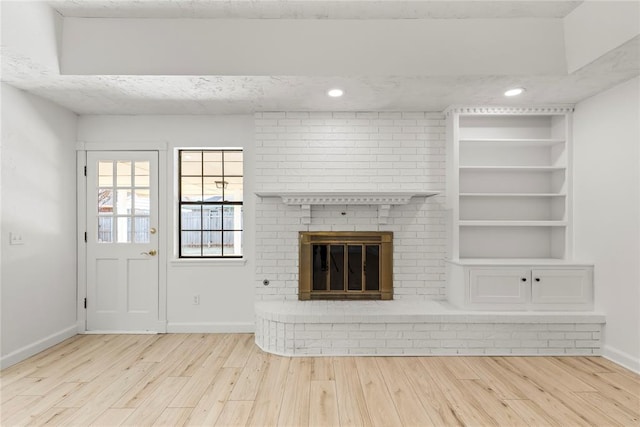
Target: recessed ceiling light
{"x": 514, "y": 92}
{"x": 335, "y": 93}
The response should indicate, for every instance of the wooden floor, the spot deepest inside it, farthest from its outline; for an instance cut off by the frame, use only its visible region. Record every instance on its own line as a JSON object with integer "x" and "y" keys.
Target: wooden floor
{"x": 225, "y": 380}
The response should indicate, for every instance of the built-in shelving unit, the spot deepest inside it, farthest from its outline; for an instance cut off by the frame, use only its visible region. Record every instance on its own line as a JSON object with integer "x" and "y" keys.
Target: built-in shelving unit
{"x": 509, "y": 195}
{"x": 509, "y": 182}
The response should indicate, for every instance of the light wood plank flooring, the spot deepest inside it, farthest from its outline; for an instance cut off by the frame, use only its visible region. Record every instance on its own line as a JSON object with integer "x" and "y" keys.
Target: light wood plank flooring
{"x": 225, "y": 380}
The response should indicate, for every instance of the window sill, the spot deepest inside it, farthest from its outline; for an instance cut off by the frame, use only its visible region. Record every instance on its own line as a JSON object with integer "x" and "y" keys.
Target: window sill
{"x": 208, "y": 262}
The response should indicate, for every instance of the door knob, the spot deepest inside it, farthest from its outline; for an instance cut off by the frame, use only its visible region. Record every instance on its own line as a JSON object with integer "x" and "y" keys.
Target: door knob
{"x": 152, "y": 230}
{"x": 152, "y": 252}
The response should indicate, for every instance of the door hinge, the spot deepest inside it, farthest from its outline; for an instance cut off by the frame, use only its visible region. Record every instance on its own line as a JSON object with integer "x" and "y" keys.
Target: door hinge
{"x": 85, "y": 171}
{"x": 85, "y": 237}
{"x": 85, "y": 303}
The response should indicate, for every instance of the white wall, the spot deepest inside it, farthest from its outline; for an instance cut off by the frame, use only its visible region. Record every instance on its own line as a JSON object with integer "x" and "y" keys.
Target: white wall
{"x": 349, "y": 151}
{"x": 312, "y": 47}
{"x": 607, "y": 211}
{"x": 31, "y": 32}
{"x": 596, "y": 27}
{"x": 225, "y": 287}
{"x": 38, "y": 203}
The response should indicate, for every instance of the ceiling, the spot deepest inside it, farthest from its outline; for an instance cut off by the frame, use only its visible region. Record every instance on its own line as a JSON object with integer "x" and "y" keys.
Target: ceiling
{"x": 212, "y": 94}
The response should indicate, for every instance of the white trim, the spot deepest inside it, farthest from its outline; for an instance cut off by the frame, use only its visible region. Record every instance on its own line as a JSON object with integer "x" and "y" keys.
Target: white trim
{"x": 211, "y": 327}
{"x": 621, "y": 358}
{"x": 161, "y": 147}
{"x": 38, "y": 346}
{"x": 81, "y": 247}
{"x": 513, "y": 109}
{"x": 165, "y": 233}
{"x": 113, "y": 332}
{"x": 207, "y": 262}
{"x": 383, "y": 200}
{"x": 123, "y": 146}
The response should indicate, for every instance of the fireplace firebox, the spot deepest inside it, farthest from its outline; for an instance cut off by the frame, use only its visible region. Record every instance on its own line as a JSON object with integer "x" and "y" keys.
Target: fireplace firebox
{"x": 346, "y": 265}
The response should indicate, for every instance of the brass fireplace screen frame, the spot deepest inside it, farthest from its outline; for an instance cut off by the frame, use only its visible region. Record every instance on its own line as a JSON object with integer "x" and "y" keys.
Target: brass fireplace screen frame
{"x": 383, "y": 239}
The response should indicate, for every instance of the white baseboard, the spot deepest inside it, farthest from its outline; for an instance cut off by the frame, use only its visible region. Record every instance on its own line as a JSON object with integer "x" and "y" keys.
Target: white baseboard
{"x": 29, "y": 350}
{"x": 212, "y": 328}
{"x": 621, "y": 358}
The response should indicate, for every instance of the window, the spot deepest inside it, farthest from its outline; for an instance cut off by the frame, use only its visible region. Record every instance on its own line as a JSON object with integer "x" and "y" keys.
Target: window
{"x": 210, "y": 203}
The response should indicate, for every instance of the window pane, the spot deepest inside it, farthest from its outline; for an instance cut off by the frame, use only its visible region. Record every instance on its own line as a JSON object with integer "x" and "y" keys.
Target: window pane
{"x": 105, "y": 201}
{"x": 190, "y": 243}
{"x": 191, "y": 163}
{"x": 213, "y": 163}
{"x": 105, "y": 174}
{"x": 232, "y": 217}
{"x": 233, "y": 189}
{"x": 232, "y": 241}
{"x": 212, "y": 217}
{"x": 123, "y": 229}
{"x": 141, "y": 202}
{"x": 123, "y": 202}
{"x": 191, "y": 217}
{"x": 141, "y": 226}
{"x": 232, "y": 163}
{"x": 320, "y": 263}
{"x": 191, "y": 189}
{"x": 372, "y": 268}
{"x": 124, "y": 174}
{"x": 336, "y": 267}
{"x": 142, "y": 174}
{"x": 212, "y": 243}
{"x": 105, "y": 229}
{"x": 355, "y": 268}
{"x": 208, "y": 178}
{"x": 213, "y": 188}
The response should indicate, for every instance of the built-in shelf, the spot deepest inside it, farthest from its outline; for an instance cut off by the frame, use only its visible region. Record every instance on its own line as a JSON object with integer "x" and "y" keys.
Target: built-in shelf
{"x": 512, "y": 195}
{"x": 496, "y": 223}
{"x": 383, "y": 200}
{"x": 513, "y": 168}
{"x": 535, "y": 142}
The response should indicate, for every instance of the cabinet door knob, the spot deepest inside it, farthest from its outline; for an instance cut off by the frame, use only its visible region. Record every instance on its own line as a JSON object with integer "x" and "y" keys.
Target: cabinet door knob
{"x": 524, "y": 279}
{"x": 537, "y": 279}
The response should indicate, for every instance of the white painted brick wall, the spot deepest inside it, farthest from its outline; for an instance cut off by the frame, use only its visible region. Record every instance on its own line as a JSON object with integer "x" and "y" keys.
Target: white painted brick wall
{"x": 420, "y": 338}
{"x": 351, "y": 151}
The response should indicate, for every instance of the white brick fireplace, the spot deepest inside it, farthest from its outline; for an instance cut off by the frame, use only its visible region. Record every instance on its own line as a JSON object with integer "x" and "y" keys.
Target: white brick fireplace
{"x": 305, "y": 154}
{"x": 356, "y": 153}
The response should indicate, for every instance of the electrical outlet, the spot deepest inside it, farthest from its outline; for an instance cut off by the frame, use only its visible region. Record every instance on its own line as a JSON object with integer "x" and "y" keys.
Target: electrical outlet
{"x": 15, "y": 239}
{"x": 196, "y": 300}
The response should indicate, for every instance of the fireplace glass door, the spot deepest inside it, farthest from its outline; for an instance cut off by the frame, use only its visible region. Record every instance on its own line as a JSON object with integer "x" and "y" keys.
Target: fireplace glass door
{"x": 346, "y": 267}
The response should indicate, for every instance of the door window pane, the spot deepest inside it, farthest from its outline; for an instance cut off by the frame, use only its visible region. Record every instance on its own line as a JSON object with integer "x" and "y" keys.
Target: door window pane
{"x": 141, "y": 227}
{"x": 105, "y": 229}
{"x": 124, "y": 174}
{"x": 142, "y": 174}
{"x": 105, "y": 173}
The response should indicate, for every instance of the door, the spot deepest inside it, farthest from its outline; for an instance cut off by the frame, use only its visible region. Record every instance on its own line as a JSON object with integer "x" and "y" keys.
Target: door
{"x": 499, "y": 286}
{"x": 122, "y": 241}
{"x": 561, "y": 286}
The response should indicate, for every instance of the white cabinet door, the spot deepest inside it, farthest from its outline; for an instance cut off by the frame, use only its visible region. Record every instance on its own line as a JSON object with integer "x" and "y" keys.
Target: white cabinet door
{"x": 499, "y": 286}
{"x": 561, "y": 286}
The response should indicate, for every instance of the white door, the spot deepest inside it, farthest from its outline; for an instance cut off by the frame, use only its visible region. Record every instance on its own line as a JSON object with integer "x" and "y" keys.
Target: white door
{"x": 499, "y": 285}
{"x": 122, "y": 241}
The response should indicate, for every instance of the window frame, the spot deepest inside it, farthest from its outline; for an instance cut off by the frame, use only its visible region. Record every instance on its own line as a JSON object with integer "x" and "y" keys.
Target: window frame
{"x": 222, "y": 203}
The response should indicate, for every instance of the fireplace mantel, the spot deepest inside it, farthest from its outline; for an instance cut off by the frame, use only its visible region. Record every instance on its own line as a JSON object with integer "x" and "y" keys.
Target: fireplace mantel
{"x": 383, "y": 200}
